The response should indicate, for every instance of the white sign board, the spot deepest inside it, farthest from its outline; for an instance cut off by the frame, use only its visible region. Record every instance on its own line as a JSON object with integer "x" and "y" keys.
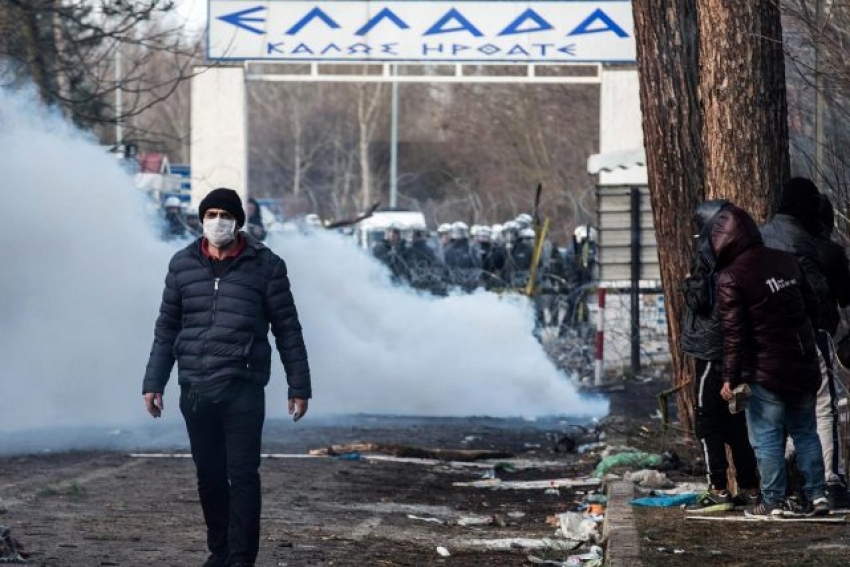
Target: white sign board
{"x": 553, "y": 31}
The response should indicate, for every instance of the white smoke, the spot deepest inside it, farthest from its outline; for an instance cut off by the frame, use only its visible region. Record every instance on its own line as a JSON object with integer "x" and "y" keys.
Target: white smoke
{"x": 82, "y": 280}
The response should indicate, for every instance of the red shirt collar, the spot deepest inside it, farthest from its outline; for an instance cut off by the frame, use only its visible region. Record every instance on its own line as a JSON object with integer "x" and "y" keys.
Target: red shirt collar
{"x": 232, "y": 253}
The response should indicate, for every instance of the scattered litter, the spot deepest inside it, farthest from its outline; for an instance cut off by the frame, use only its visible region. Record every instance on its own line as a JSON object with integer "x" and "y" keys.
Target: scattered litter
{"x": 593, "y": 558}
{"x": 635, "y": 459}
{"x": 577, "y": 527}
{"x": 588, "y": 447}
{"x": 473, "y": 520}
{"x": 532, "y": 484}
{"x": 347, "y": 457}
{"x": 552, "y": 492}
{"x": 649, "y": 478}
{"x": 671, "y": 550}
{"x": 443, "y": 551}
{"x": 424, "y": 519}
{"x": 531, "y": 445}
{"x": 665, "y": 501}
{"x": 516, "y": 515}
{"x": 507, "y": 544}
{"x": 469, "y": 439}
{"x": 681, "y": 488}
{"x": 504, "y": 467}
{"x": 411, "y": 452}
{"x": 489, "y": 474}
{"x": 538, "y": 561}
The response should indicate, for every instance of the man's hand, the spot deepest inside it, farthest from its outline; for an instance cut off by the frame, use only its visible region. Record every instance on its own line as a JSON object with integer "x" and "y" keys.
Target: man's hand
{"x": 154, "y": 405}
{"x": 726, "y": 391}
{"x": 297, "y": 408}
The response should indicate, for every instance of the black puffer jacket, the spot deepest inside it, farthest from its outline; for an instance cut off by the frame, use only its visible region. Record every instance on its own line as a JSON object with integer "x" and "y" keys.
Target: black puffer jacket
{"x": 765, "y": 308}
{"x": 785, "y": 232}
{"x": 702, "y": 336}
{"x": 217, "y": 328}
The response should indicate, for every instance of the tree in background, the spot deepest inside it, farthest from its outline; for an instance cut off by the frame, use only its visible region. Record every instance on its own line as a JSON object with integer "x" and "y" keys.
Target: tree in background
{"x": 69, "y": 50}
{"x": 713, "y": 99}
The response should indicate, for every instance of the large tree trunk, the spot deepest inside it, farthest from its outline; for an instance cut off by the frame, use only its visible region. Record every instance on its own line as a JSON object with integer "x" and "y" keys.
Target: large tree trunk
{"x": 668, "y": 61}
{"x": 742, "y": 88}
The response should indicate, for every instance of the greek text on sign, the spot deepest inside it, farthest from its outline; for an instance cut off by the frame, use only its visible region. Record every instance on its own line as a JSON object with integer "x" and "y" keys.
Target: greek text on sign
{"x": 425, "y": 32}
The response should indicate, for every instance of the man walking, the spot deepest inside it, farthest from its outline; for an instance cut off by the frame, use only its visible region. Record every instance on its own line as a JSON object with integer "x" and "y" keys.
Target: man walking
{"x": 222, "y": 294}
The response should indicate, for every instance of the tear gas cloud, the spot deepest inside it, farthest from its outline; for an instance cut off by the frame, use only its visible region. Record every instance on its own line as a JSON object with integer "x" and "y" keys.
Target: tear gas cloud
{"x": 83, "y": 276}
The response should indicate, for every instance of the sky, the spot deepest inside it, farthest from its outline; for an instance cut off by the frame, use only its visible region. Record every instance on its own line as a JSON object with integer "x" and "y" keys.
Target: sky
{"x": 192, "y": 11}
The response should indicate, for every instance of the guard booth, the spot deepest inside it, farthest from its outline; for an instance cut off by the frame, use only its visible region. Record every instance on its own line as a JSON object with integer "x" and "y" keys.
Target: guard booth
{"x": 635, "y": 318}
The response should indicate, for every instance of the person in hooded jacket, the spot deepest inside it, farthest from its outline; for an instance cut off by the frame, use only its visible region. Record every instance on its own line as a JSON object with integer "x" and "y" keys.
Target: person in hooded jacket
{"x": 833, "y": 260}
{"x": 254, "y": 220}
{"x": 702, "y": 339}
{"x": 766, "y": 309}
{"x": 794, "y": 229}
{"x": 223, "y": 292}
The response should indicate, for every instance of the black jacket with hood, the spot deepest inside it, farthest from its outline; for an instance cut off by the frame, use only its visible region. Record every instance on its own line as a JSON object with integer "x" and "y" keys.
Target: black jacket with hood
{"x": 766, "y": 306}
{"x": 702, "y": 336}
{"x": 216, "y": 328}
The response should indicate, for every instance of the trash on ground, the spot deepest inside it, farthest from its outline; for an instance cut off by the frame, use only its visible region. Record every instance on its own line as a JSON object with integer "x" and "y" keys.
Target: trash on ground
{"x": 681, "y": 488}
{"x": 575, "y": 526}
{"x": 665, "y": 501}
{"x": 587, "y": 448}
{"x": 443, "y": 551}
{"x": 552, "y": 492}
{"x": 489, "y": 474}
{"x": 516, "y": 515}
{"x": 424, "y": 519}
{"x": 593, "y": 558}
{"x": 505, "y": 544}
{"x": 671, "y": 550}
{"x": 412, "y": 452}
{"x": 649, "y": 478}
{"x": 636, "y": 459}
{"x": 347, "y": 457}
{"x": 473, "y": 520}
{"x": 500, "y": 484}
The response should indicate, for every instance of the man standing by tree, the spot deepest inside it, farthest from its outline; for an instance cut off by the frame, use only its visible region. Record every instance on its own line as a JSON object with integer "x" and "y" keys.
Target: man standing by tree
{"x": 794, "y": 229}
{"x": 222, "y": 293}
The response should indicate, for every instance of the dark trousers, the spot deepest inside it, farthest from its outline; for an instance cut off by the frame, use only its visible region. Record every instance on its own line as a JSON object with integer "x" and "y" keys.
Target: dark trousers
{"x": 716, "y": 427}
{"x": 225, "y": 434}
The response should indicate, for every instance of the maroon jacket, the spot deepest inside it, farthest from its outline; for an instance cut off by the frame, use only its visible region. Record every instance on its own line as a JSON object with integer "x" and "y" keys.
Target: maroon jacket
{"x": 765, "y": 306}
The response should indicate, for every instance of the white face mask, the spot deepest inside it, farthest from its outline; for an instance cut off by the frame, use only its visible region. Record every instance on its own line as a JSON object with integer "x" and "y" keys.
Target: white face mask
{"x": 220, "y": 232}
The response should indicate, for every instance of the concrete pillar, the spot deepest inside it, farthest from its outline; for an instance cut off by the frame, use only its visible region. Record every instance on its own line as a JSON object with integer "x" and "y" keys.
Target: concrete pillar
{"x": 219, "y": 155}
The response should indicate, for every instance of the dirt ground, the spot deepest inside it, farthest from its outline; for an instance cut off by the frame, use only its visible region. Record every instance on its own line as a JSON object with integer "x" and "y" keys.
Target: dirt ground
{"x": 669, "y": 538}
{"x": 107, "y": 508}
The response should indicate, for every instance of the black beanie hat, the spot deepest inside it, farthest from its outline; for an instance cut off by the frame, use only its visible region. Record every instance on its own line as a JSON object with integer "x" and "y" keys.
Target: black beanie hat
{"x": 801, "y": 199}
{"x": 226, "y": 199}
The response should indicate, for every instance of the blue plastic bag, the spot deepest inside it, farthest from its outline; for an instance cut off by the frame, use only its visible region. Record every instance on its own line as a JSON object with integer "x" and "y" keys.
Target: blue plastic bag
{"x": 665, "y": 501}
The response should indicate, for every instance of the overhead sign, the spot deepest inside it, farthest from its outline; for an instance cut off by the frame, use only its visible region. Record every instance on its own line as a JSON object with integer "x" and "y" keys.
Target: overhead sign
{"x": 553, "y": 31}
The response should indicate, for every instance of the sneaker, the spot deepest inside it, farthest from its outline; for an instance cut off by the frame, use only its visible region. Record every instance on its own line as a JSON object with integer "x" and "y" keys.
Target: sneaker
{"x": 746, "y": 498}
{"x": 838, "y": 495}
{"x": 796, "y": 507}
{"x": 820, "y": 506}
{"x": 764, "y": 510}
{"x": 711, "y": 503}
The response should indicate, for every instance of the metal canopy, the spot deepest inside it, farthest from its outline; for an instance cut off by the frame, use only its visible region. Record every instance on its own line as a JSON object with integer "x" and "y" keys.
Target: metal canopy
{"x": 456, "y": 73}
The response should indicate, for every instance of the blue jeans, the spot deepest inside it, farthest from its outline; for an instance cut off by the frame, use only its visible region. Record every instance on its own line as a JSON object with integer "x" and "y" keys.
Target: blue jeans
{"x": 769, "y": 417}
